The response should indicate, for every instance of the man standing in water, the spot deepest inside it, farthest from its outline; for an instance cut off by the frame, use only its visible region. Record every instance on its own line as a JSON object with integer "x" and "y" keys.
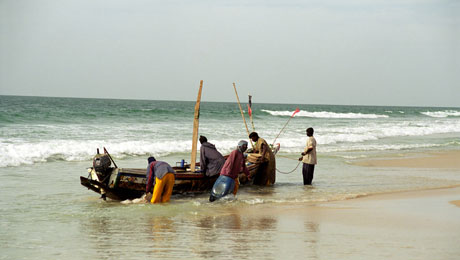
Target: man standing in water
{"x": 309, "y": 158}
{"x": 266, "y": 174}
{"x": 211, "y": 161}
{"x": 161, "y": 176}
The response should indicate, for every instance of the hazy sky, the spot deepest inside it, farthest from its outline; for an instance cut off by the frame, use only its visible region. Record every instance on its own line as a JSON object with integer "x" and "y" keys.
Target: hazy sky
{"x": 379, "y": 52}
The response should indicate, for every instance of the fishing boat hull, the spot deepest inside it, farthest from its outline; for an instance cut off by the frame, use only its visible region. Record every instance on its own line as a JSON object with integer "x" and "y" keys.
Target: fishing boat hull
{"x": 129, "y": 183}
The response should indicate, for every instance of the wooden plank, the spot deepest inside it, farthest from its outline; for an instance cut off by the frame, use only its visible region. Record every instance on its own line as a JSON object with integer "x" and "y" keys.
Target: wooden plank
{"x": 195, "y": 128}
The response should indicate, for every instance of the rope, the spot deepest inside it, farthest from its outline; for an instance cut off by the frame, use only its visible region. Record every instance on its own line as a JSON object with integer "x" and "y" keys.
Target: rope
{"x": 290, "y": 171}
{"x": 286, "y": 157}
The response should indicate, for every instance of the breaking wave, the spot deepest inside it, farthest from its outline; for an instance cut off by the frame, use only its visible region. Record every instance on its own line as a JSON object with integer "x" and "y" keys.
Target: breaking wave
{"x": 15, "y": 154}
{"x": 325, "y": 114}
{"x": 334, "y": 140}
{"x": 441, "y": 114}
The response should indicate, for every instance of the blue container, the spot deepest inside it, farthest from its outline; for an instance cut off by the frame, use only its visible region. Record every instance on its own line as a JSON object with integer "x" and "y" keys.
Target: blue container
{"x": 223, "y": 186}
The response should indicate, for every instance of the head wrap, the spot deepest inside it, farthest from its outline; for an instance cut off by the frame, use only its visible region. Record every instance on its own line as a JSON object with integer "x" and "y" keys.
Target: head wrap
{"x": 241, "y": 144}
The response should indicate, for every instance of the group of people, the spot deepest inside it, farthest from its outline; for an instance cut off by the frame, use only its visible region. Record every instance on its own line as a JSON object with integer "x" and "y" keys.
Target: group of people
{"x": 160, "y": 175}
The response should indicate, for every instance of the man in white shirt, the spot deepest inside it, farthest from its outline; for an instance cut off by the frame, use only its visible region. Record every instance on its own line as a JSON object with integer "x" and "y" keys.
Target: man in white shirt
{"x": 309, "y": 158}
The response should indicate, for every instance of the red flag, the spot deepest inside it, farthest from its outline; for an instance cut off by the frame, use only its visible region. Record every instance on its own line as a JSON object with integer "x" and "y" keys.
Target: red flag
{"x": 249, "y": 110}
{"x": 297, "y": 110}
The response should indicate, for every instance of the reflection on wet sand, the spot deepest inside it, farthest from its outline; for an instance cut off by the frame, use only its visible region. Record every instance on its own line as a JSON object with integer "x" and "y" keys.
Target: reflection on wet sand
{"x": 232, "y": 231}
{"x": 311, "y": 239}
{"x": 238, "y": 235}
{"x": 163, "y": 230}
{"x": 212, "y": 236}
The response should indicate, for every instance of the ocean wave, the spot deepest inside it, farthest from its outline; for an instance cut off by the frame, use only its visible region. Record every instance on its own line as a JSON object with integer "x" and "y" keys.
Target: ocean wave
{"x": 381, "y": 147}
{"x": 20, "y": 153}
{"x": 372, "y": 132}
{"x": 366, "y": 147}
{"x": 441, "y": 114}
{"x": 15, "y": 152}
{"x": 325, "y": 114}
{"x": 36, "y": 145}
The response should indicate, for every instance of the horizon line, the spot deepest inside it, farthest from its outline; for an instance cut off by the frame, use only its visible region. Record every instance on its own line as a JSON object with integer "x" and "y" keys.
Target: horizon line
{"x": 281, "y": 103}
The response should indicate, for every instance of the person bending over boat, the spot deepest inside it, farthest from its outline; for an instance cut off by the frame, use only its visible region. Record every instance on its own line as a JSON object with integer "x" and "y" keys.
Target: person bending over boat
{"x": 266, "y": 174}
{"x": 160, "y": 175}
{"x": 211, "y": 161}
{"x": 228, "y": 179}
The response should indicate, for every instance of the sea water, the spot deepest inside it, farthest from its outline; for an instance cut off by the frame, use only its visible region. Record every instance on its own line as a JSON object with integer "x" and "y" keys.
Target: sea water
{"x": 46, "y": 144}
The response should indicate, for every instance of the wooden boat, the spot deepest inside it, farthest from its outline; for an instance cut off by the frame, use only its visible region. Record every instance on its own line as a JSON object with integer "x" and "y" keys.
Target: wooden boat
{"x": 129, "y": 183}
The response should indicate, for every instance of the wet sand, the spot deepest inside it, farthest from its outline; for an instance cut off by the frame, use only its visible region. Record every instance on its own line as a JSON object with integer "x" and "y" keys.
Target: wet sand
{"x": 422, "y": 224}
{"x": 440, "y": 160}
{"x": 405, "y": 225}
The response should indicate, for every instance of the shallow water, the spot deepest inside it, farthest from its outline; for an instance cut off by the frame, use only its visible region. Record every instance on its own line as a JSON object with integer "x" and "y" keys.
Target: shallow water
{"x": 47, "y": 214}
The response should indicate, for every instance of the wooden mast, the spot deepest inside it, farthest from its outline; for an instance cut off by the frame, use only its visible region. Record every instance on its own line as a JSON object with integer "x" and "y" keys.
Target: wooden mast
{"x": 242, "y": 115}
{"x": 195, "y": 129}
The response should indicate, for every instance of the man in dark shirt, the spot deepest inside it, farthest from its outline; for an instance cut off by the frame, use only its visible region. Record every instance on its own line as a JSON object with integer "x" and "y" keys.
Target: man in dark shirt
{"x": 211, "y": 161}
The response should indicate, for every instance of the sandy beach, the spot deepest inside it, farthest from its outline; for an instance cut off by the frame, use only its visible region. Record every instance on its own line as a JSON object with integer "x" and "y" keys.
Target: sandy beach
{"x": 405, "y": 225}
{"x": 440, "y": 160}
{"x": 420, "y": 224}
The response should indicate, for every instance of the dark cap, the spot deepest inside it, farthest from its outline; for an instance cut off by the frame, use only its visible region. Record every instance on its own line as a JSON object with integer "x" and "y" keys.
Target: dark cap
{"x": 151, "y": 159}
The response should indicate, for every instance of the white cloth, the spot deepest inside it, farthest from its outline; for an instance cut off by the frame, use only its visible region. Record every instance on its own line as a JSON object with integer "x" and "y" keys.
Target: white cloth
{"x": 310, "y": 158}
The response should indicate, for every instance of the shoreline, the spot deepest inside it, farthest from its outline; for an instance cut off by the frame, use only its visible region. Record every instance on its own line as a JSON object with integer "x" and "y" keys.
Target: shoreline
{"x": 413, "y": 224}
{"x": 422, "y": 224}
{"x": 432, "y": 160}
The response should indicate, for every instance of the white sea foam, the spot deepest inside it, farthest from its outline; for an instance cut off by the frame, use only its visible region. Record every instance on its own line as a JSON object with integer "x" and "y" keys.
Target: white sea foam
{"x": 14, "y": 154}
{"x": 254, "y": 201}
{"x": 19, "y": 152}
{"x": 140, "y": 200}
{"x": 335, "y": 139}
{"x": 441, "y": 114}
{"x": 325, "y": 114}
{"x": 378, "y": 147}
{"x": 34, "y": 145}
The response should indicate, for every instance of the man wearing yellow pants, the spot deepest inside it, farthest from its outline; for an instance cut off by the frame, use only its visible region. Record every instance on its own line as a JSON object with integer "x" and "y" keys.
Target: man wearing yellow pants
{"x": 160, "y": 175}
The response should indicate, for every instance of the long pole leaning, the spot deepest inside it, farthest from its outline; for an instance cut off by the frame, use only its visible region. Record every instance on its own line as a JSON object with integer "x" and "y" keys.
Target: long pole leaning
{"x": 196, "y": 122}
{"x": 242, "y": 115}
{"x": 297, "y": 110}
{"x": 281, "y": 130}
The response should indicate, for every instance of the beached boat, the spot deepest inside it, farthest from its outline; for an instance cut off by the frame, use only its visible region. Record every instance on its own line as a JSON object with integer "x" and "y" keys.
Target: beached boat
{"x": 129, "y": 183}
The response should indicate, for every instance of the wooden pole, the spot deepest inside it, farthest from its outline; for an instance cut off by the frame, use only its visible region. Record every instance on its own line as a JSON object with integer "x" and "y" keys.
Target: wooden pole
{"x": 195, "y": 129}
{"x": 242, "y": 115}
{"x": 297, "y": 110}
{"x": 281, "y": 130}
